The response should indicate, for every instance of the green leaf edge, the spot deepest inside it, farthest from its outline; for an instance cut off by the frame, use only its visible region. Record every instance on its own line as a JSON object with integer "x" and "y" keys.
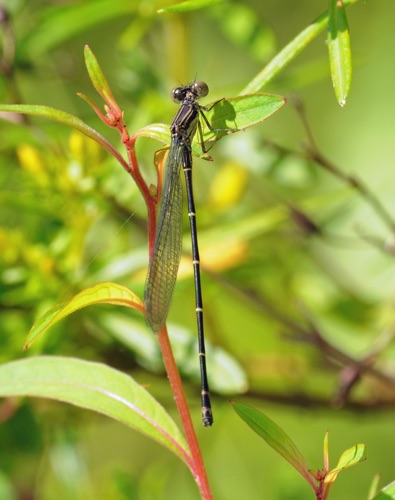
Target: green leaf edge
{"x": 348, "y": 458}
{"x": 101, "y": 293}
{"x": 90, "y": 385}
{"x": 188, "y": 6}
{"x": 386, "y": 493}
{"x": 97, "y": 76}
{"x": 339, "y": 50}
{"x": 275, "y": 437}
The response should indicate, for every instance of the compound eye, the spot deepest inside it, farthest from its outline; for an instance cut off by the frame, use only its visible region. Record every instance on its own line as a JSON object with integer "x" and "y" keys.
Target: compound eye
{"x": 177, "y": 94}
{"x": 200, "y": 89}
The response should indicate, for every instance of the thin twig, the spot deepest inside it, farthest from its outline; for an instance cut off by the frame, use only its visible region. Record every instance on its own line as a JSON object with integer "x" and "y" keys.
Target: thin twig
{"x": 314, "y": 154}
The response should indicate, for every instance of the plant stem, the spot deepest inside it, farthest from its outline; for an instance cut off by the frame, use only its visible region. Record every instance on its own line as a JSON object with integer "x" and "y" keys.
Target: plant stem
{"x": 195, "y": 463}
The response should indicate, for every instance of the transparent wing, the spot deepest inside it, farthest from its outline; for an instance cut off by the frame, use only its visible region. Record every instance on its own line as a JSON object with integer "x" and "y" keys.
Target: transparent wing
{"x": 163, "y": 268}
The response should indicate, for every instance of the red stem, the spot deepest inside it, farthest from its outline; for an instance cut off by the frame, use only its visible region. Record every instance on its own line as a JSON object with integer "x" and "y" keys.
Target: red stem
{"x": 150, "y": 201}
{"x": 196, "y": 464}
{"x": 134, "y": 169}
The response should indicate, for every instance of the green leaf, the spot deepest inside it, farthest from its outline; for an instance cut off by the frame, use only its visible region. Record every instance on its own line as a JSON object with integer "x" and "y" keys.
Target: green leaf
{"x": 234, "y": 114}
{"x": 287, "y": 54}
{"x": 240, "y": 112}
{"x": 339, "y": 50}
{"x": 386, "y": 493}
{"x": 374, "y": 487}
{"x": 226, "y": 374}
{"x": 102, "y": 293}
{"x": 245, "y": 28}
{"x": 350, "y": 457}
{"x": 326, "y": 452}
{"x": 97, "y": 76}
{"x": 96, "y": 387}
{"x": 189, "y": 5}
{"x": 158, "y": 131}
{"x": 290, "y": 51}
{"x": 66, "y": 119}
{"x": 65, "y": 21}
{"x": 7, "y": 491}
{"x": 274, "y": 437}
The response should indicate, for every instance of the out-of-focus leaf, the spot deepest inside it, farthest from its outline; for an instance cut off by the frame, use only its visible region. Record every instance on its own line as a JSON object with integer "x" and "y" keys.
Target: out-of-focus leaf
{"x": 6, "y": 489}
{"x": 290, "y": 51}
{"x": 96, "y": 387}
{"x": 102, "y": 293}
{"x": 133, "y": 334}
{"x": 386, "y": 493}
{"x": 244, "y": 27}
{"x": 274, "y": 437}
{"x": 189, "y": 5}
{"x": 374, "y": 487}
{"x": 339, "y": 47}
{"x": 227, "y": 376}
{"x": 64, "y": 21}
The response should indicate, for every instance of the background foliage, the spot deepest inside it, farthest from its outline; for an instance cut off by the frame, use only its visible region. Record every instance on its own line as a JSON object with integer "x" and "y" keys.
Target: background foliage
{"x": 297, "y": 262}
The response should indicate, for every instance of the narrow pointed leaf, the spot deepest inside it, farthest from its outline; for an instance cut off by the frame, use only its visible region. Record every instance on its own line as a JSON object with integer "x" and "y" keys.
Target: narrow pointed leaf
{"x": 287, "y": 54}
{"x": 374, "y": 487}
{"x": 339, "y": 47}
{"x": 274, "y": 437}
{"x": 326, "y": 452}
{"x": 350, "y": 457}
{"x": 65, "y": 118}
{"x": 290, "y": 51}
{"x": 96, "y": 387}
{"x": 97, "y": 76}
{"x": 102, "y": 293}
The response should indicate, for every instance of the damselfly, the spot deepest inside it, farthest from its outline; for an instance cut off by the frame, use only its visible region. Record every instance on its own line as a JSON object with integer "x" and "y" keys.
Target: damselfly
{"x": 165, "y": 259}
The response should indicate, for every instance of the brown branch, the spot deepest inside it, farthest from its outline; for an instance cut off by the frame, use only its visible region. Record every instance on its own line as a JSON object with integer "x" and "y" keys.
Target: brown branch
{"x": 302, "y": 400}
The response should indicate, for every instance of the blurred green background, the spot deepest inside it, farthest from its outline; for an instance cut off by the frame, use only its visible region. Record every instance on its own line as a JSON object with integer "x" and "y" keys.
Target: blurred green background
{"x": 286, "y": 248}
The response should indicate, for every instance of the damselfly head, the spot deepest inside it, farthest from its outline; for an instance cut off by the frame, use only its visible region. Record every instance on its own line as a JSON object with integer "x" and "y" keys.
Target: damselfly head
{"x": 178, "y": 94}
{"x": 197, "y": 89}
{"x": 200, "y": 89}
